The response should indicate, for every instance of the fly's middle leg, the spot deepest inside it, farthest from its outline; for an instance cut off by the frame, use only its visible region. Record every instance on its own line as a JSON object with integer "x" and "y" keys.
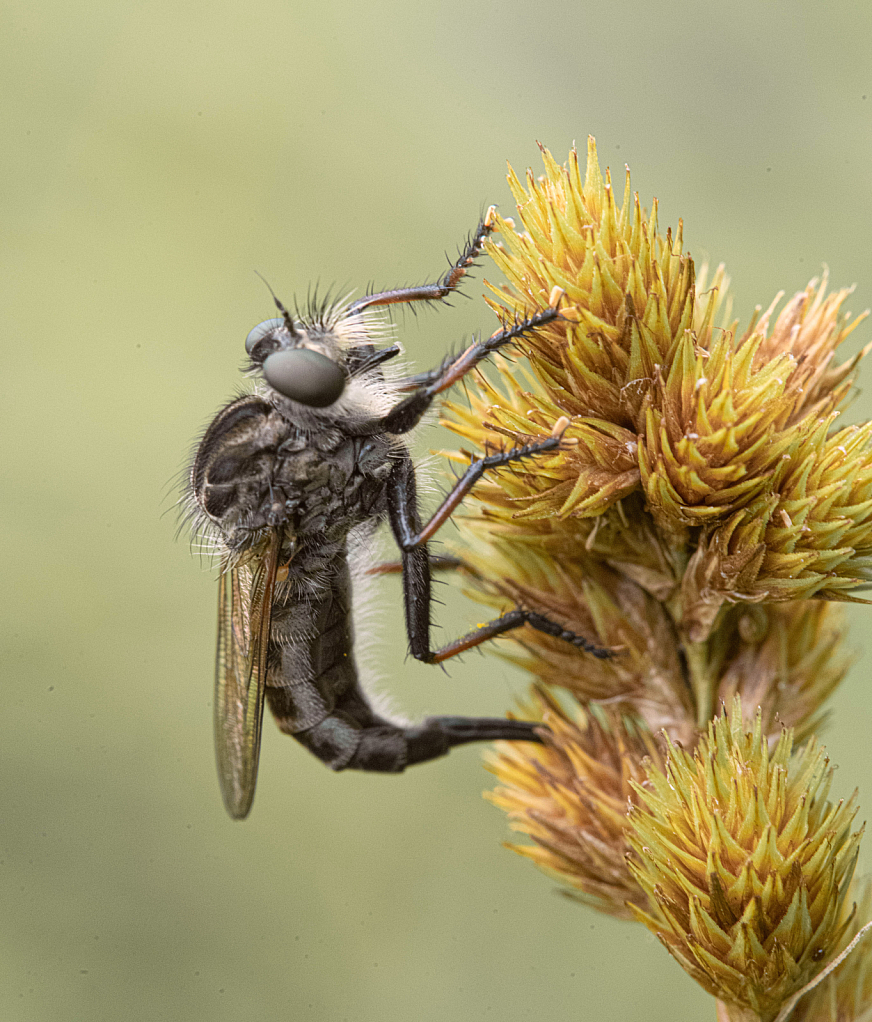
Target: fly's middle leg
{"x": 412, "y": 538}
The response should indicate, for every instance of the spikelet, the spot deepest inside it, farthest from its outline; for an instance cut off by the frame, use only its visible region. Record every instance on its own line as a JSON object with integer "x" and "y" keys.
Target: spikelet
{"x": 746, "y": 862}
{"x": 846, "y": 994}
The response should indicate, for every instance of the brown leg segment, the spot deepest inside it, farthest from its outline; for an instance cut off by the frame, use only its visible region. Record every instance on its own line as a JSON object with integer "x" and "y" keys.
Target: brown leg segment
{"x": 447, "y": 283}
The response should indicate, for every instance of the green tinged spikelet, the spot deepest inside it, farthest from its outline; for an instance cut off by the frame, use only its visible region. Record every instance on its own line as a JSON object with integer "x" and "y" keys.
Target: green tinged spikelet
{"x": 745, "y": 861}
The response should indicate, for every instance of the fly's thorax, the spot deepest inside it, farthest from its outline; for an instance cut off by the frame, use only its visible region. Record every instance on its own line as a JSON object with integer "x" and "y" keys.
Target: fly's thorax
{"x": 331, "y": 488}
{"x": 268, "y": 460}
{"x": 230, "y": 474}
{"x": 255, "y": 469}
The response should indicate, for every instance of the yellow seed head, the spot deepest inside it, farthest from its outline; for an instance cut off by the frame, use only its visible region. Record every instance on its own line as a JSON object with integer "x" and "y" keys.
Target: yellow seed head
{"x": 726, "y": 437}
{"x": 745, "y": 861}
{"x": 703, "y": 504}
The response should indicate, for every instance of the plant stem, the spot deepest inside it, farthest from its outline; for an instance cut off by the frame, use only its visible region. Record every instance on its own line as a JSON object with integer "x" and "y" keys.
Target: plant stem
{"x": 696, "y": 655}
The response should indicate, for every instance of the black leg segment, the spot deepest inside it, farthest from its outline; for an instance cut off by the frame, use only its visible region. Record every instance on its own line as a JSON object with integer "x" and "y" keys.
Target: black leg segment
{"x": 355, "y": 738}
{"x": 408, "y": 539}
{"x": 505, "y": 623}
{"x": 412, "y": 539}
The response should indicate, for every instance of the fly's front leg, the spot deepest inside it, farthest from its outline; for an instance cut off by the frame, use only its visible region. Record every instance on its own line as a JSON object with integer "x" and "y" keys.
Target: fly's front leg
{"x": 412, "y": 538}
{"x": 407, "y": 414}
{"x": 447, "y": 283}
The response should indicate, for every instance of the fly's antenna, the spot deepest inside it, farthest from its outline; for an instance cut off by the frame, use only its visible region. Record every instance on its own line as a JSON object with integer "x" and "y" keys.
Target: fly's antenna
{"x": 286, "y": 316}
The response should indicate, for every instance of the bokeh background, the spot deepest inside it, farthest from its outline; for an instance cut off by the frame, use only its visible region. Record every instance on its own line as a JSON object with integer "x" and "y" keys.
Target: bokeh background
{"x": 154, "y": 155}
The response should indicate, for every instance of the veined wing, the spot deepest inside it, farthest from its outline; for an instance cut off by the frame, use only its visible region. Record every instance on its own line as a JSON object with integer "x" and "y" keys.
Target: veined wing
{"x": 245, "y": 596}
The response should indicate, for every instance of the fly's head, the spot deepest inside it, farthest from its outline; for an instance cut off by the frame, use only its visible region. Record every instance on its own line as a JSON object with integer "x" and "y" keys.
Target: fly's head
{"x": 322, "y": 366}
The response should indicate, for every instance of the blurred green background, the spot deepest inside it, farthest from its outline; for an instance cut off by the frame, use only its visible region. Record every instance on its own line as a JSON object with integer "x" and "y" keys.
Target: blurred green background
{"x": 155, "y": 155}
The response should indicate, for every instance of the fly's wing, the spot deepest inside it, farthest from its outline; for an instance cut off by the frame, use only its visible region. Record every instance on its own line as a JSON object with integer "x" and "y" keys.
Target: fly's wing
{"x": 245, "y": 598}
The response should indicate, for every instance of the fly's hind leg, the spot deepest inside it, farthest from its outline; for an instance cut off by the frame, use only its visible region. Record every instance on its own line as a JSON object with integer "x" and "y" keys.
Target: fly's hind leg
{"x": 354, "y": 737}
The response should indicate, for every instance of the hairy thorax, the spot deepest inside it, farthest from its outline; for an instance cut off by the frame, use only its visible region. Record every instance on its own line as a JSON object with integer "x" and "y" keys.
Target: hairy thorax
{"x": 256, "y": 470}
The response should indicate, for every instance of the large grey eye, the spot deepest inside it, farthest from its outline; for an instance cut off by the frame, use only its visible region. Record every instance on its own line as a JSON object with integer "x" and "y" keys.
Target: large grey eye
{"x": 304, "y": 375}
{"x": 261, "y": 331}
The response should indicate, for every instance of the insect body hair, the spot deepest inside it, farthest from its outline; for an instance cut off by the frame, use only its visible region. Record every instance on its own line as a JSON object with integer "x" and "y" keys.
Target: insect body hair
{"x": 366, "y": 548}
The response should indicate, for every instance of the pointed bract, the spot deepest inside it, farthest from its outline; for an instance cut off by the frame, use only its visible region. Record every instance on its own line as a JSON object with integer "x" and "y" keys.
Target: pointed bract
{"x": 745, "y": 861}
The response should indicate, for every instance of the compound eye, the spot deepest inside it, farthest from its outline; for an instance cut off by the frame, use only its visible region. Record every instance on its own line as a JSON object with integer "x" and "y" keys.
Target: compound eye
{"x": 304, "y": 375}
{"x": 262, "y": 330}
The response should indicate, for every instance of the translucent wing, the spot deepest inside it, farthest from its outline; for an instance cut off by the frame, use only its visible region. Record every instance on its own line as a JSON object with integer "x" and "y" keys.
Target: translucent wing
{"x": 245, "y": 597}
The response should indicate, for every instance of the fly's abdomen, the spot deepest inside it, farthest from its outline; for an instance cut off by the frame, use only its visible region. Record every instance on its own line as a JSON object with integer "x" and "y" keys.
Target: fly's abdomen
{"x": 311, "y": 660}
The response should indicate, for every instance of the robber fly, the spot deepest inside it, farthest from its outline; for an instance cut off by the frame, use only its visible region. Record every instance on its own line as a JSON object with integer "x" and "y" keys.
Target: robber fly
{"x": 287, "y": 481}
